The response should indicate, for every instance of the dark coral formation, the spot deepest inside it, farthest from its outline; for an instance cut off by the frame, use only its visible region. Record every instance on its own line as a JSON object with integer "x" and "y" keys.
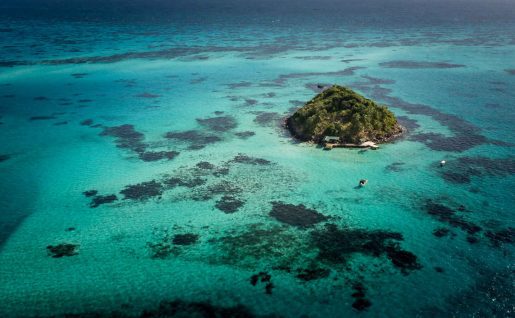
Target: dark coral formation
{"x": 404, "y": 260}
{"x": 296, "y": 215}
{"x": 250, "y": 102}
{"x": 87, "y": 122}
{"x": 218, "y": 124}
{"x": 167, "y": 244}
{"x": 148, "y": 95}
{"x": 161, "y": 250}
{"x": 338, "y": 245}
{"x": 244, "y": 134}
{"x": 447, "y": 215}
{"x": 149, "y": 156}
{"x": 102, "y": 199}
{"x": 79, "y": 75}
{"x": 64, "y": 249}
{"x": 418, "y": 64}
{"x": 143, "y": 191}
{"x": 178, "y": 308}
{"x": 33, "y": 118}
{"x": 196, "y": 139}
{"x": 408, "y": 123}
{"x": 312, "y": 273}
{"x": 185, "y": 239}
{"x": 229, "y": 204}
{"x": 360, "y": 303}
{"x": 256, "y": 242}
{"x": 213, "y": 190}
{"x": 241, "y": 158}
{"x": 462, "y": 169}
{"x": 267, "y": 119}
{"x": 238, "y": 85}
{"x": 205, "y": 165}
{"x": 440, "y": 142}
{"x": 263, "y": 277}
{"x": 472, "y": 239}
{"x": 505, "y": 236}
{"x": 126, "y": 137}
{"x": 439, "y": 269}
{"x": 164, "y": 246}
{"x": 465, "y": 136}
{"x": 441, "y": 232}
{"x": 90, "y": 193}
{"x": 173, "y": 182}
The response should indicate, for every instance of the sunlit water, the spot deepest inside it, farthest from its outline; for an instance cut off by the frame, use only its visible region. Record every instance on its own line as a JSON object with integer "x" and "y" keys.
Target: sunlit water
{"x": 420, "y": 239}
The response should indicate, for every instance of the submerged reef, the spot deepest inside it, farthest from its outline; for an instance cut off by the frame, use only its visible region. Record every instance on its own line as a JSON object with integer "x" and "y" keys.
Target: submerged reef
{"x": 241, "y": 158}
{"x": 339, "y": 111}
{"x": 178, "y": 308}
{"x": 166, "y": 244}
{"x": 360, "y": 303}
{"x": 218, "y": 124}
{"x": 505, "y": 236}
{"x": 64, "y": 249}
{"x": 244, "y": 134}
{"x": 255, "y": 242}
{"x": 229, "y": 204}
{"x": 441, "y": 232}
{"x": 185, "y": 239}
{"x": 418, "y": 64}
{"x": 267, "y": 119}
{"x": 447, "y": 215}
{"x": 196, "y": 139}
{"x": 296, "y": 215}
{"x": 173, "y": 182}
{"x": 264, "y": 278}
{"x": 338, "y": 245}
{"x": 102, "y": 199}
{"x": 158, "y": 155}
{"x": 143, "y": 191}
{"x": 312, "y": 273}
{"x": 90, "y": 193}
{"x": 461, "y": 170}
{"x": 127, "y": 137}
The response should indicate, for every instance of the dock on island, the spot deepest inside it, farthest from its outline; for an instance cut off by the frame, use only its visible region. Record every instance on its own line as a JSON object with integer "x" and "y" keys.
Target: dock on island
{"x": 330, "y": 142}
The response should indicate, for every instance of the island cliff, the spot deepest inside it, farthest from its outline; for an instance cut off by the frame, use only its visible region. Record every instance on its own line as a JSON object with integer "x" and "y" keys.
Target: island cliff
{"x": 339, "y": 111}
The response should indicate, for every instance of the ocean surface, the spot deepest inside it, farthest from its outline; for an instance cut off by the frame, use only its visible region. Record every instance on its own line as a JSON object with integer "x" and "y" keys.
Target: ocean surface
{"x": 145, "y": 169}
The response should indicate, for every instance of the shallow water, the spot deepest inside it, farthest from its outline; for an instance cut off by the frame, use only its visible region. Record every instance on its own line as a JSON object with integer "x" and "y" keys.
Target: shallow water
{"x": 100, "y": 101}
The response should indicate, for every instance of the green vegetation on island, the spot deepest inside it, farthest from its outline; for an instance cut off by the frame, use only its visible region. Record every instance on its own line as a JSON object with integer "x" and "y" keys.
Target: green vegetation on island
{"x": 339, "y": 111}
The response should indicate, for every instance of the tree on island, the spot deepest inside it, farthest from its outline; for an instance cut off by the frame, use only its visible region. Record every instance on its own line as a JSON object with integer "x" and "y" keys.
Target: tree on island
{"x": 339, "y": 111}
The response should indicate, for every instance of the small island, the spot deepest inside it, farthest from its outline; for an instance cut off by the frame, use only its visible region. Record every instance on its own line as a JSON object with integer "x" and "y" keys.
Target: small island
{"x": 340, "y": 117}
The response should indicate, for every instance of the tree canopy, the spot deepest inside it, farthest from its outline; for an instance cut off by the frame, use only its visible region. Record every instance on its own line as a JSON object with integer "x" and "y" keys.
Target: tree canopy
{"x": 339, "y": 111}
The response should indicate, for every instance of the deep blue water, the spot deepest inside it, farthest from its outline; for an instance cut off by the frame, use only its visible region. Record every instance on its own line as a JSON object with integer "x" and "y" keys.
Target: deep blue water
{"x": 145, "y": 170}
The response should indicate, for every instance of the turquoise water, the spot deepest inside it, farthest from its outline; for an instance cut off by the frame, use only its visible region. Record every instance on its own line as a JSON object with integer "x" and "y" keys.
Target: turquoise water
{"x": 421, "y": 240}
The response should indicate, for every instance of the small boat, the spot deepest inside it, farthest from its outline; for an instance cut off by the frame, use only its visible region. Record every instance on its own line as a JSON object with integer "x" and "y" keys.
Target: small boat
{"x": 362, "y": 182}
{"x": 442, "y": 163}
